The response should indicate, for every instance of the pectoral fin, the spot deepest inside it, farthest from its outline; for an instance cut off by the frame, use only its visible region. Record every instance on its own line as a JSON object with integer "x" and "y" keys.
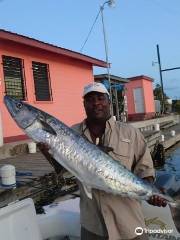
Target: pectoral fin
{"x": 48, "y": 128}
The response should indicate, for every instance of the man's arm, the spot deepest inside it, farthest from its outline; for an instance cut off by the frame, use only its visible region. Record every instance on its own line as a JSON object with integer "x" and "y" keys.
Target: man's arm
{"x": 144, "y": 167}
{"x": 45, "y": 151}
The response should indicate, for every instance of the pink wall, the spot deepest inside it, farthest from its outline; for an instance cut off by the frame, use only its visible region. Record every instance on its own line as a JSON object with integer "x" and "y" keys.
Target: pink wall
{"x": 148, "y": 96}
{"x": 146, "y": 84}
{"x": 68, "y": 77}
{"x": 129, "y": 93}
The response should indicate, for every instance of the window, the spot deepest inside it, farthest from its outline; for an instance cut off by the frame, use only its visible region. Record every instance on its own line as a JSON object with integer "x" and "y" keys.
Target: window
{"x": 41, "y": 81}
{"x": 13, "y": 77}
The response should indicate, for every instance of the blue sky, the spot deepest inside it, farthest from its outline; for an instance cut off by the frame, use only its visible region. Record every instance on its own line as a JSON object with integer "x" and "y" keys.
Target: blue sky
{"x": 133, "y": 27}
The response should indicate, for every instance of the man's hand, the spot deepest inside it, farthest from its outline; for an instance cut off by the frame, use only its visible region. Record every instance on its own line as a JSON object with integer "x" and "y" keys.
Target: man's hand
{"x": 45, "y": 151}
{"x": 156, "y": 200}
{"x": 43, "y": 148}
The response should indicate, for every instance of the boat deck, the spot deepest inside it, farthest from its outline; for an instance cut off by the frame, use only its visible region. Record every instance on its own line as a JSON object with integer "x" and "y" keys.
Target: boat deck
{"x": 36, "y": 178}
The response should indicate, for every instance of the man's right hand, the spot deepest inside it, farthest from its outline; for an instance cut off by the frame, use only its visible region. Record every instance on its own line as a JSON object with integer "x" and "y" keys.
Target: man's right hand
{"x": 43, "y": 148}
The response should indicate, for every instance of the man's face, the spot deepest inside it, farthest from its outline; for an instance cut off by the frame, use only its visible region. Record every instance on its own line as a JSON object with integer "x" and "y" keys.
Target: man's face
{"x": 97, "y": 106}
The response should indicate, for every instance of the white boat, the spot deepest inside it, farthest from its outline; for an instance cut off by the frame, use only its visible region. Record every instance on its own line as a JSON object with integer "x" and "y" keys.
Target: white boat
{"x": 18, "y": 221}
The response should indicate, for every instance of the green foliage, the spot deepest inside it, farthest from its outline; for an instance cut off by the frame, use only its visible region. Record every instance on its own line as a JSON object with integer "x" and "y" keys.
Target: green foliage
{"x": 158, "y": 96}
{"x": 176, "y": 106}
{"x": 158, "y": 93}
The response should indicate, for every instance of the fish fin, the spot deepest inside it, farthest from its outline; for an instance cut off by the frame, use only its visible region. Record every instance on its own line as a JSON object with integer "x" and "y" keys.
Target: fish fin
{"x": 175, "y": 204}
{"x": 48, "y": 128}
{"x": 88, "y": 191}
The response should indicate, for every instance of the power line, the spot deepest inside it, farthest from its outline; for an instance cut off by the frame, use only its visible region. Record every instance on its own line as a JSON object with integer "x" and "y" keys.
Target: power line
{"x": 90, "y": 31}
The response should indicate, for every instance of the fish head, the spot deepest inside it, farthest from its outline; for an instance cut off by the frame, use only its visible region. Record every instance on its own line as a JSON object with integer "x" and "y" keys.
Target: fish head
{"x": 32, "y": 120}
{"x": 21, "y": 112}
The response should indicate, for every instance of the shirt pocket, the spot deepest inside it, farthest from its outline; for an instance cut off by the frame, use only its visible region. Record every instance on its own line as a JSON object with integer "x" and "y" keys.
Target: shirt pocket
{"x": 122, "y": 153}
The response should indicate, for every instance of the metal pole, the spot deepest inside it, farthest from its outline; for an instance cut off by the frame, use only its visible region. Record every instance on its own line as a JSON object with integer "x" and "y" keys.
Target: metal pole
{"x": 117, "y": 104}
{"x": 169, "y": 69}
{"x": 107, "y": 58}
{"x": 160, "y": 73}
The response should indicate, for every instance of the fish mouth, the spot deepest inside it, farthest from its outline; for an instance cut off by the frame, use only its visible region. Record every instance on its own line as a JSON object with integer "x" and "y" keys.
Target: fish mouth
{"x": 22, "y": 113}
{"x": 11, "y": 105}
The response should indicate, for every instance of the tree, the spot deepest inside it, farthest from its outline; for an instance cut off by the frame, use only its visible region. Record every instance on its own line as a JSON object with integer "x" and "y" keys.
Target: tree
{"x": 158, "y": 93}
{"x": 176, "y": 106}
{"x": 158, "y": 96}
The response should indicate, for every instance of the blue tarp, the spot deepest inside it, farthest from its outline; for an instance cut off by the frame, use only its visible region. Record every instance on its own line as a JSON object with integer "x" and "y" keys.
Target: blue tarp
{"x": 118, "y": 86}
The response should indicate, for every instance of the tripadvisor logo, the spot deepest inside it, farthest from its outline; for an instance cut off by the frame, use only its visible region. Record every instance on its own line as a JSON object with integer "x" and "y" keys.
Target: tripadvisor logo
{"x": 156, "y": 233}
{"x": 139, "y": 231}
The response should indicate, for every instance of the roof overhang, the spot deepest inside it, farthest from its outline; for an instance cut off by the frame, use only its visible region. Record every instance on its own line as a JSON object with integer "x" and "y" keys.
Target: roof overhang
{"x": 24, "y": 40}
{"x": 112, "y": 77}
{"x": 141, "y": 77}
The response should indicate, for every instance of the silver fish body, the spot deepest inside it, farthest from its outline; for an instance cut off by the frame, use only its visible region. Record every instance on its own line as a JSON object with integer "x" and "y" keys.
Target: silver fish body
{"x": 87, "y": 162}
{"x": 84, "y": 160}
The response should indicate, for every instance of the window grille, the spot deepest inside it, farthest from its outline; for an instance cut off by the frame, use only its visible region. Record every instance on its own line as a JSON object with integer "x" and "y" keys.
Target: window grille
{"x": 41, "y": 81}
{"x": 13, "y": 77}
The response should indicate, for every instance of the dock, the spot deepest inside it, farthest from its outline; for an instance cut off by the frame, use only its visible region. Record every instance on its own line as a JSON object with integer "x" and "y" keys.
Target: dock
{"x": 164, "y": 134}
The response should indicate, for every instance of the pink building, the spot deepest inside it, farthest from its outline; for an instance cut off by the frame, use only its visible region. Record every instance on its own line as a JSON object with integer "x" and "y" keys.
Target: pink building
{"x": 138, "y": 91}
{"x": 46, "y": 76}
{"x": 140, "y": 98}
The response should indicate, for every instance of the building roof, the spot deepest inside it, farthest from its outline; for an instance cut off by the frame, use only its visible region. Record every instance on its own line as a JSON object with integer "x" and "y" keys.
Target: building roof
{"x": 113, "y": 77}
{"x": 141, "y": 77}
{"x": 27, "y": 41}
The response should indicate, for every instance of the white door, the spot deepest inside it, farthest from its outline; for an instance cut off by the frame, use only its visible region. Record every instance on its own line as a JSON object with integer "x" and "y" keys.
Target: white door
{"x": 138, "y": 100}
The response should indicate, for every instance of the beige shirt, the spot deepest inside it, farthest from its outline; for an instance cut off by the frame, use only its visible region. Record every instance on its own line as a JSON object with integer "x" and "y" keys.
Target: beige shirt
{"x": 121, "y": 215}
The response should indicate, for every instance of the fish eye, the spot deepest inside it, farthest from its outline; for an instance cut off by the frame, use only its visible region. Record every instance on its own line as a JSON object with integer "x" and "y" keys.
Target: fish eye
{"x": 19, "y": 105}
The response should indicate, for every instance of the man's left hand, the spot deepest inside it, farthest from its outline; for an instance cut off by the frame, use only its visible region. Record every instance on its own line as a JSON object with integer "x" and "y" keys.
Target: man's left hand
{"x": 158, "y": 201}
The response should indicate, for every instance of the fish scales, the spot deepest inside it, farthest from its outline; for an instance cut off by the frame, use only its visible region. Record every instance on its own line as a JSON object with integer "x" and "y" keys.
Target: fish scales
{"x": 72, "y": 147}
{"x": 92, "y": 166}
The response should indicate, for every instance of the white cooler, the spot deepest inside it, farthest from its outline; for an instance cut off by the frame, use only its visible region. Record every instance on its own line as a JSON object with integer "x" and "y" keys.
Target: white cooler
{"x": 18, "y": 221}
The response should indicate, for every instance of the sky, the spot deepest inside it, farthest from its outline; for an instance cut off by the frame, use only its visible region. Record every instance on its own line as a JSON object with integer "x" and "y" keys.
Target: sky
{"x": 133, "y": 29}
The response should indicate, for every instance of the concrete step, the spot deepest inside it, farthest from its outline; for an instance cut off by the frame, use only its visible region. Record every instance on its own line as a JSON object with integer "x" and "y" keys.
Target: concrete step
{"x": 168, "y": 125}
{"x": 151, "y": 135}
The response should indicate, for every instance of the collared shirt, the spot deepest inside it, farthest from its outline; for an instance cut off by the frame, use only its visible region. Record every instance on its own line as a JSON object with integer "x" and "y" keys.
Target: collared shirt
{"x": 108, "y": 214}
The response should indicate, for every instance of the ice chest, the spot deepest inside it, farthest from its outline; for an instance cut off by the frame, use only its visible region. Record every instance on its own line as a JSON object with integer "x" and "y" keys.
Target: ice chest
{"x": 18, "y": 221}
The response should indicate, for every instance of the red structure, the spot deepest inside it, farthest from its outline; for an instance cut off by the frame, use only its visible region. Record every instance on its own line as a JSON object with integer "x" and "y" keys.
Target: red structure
{"x": 46, "y": 76}
{"x": 140, "y": 98}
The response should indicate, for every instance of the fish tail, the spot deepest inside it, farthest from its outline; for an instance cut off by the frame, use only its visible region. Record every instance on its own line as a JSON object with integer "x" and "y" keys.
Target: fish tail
{"x": 175, "y": 204}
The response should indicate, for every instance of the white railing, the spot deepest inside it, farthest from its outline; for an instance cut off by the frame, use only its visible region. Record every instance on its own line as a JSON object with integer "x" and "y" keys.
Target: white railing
{"x": 152, "y": 124}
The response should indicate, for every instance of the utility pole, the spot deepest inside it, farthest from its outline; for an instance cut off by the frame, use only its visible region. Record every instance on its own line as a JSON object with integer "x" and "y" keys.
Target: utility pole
{"x": 161, "y": 80}
{"x": 110, "y": 3}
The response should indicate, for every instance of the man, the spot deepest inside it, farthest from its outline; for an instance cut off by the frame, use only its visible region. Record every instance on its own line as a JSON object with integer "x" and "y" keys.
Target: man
{"x": 107, "y": 216}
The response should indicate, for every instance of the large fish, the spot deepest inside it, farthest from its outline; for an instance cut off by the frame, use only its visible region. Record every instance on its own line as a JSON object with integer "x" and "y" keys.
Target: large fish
{"x": 94, "y": 168}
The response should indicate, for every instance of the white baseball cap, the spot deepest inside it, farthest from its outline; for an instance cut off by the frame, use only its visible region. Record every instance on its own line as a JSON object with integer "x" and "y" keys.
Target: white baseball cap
{"x": 95, "y": 87}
